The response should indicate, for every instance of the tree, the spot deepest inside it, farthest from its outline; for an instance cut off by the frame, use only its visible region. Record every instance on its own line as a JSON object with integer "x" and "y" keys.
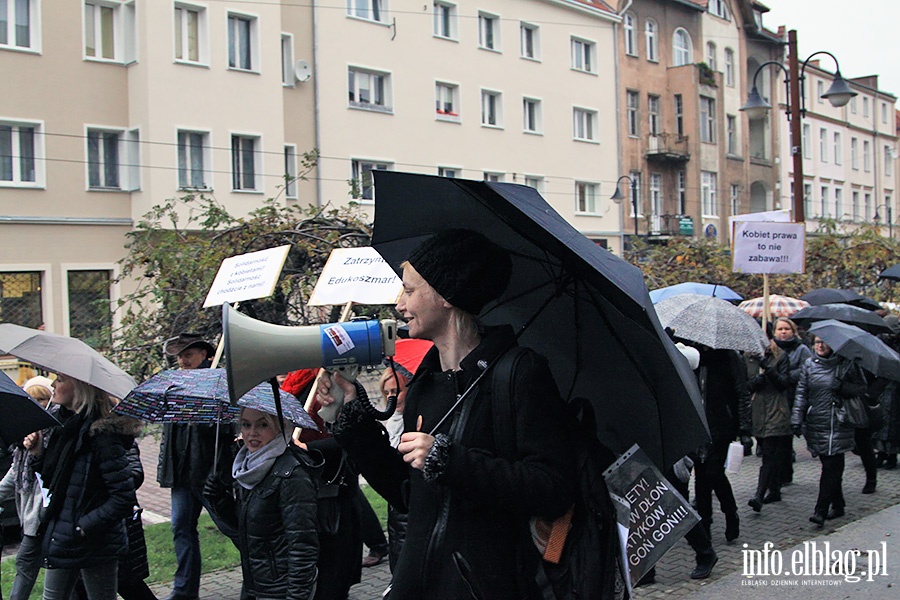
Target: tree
{"x": 174, "y": 259}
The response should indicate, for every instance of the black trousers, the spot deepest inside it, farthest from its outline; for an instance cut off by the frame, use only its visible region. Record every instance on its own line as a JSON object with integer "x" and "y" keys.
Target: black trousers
{"x": 709, "y": 478}
{"x": 863, "y": 440}
{"x": 776, "y": 454}
{"x": 830, "y": 493}
{"x": 698, "y": 536}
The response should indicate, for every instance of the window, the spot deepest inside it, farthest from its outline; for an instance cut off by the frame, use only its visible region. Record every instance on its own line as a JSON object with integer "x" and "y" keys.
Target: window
{"x": 371, "y": 10}
{"x": 735, "y": 199}
{"x": 90, "y": 307}
{"x": 361, "y": 176}
{"x": 807, "y": 199}
{"x": 729, "y": 67}
{"x": 582, "y": 55}
{"x": 867, "y": 206}
{"x": 19, "y": 24}
{"x": 530, "y": 41}
{"x": 630, "y": 34}
{"x": 682, "y": 192}
{"x": 633, "y": 103}
{"x": 493, "y": 176}
{"x": 488, "y": 31}
{"x": 445, "y": 20}
{"x": 244, "y": 157}
{"x": 867, "y": 156}
{"x": 241, "y": 42}
{"x": 585, "y": 123}
{"x": 679, "y": 115}
{"x": 531, "y": 115}
{"x": 731, "y": 123}
{"x": 113, "y": 159}
{"x": 865, "y": 107}
{"x": 854, "y": 153}
{"x": 635, "y": 195}
{"x": 535, "y": 181}
{"x": 838, "y": 203}
{"x": 290, "y": 171}
{"x": 369, "y": 89}
{"x": 448, "y": 172}
{"x": 190, "y": 33}
{"x": 682, "y": 51}
{"x": 708, "y": 193}
{"x": 823, "y": 202}
{"x": 106, "y": 24}
{"x": 888, "y": 161}
{"x": 446, "y": 101}
{"x": 711, "y": 61}
{"x": 287, "y": 59}
{"x": 655, "y": 193}
{"x": 20, "y": 298}
{"x": 853, "y": 105}
{"x": 718, "y": 8}
{"x": 804, "y": 140}
{"x": 21, "y": 154}
{"x": 586, "y": 197}
{"x": 823, "y": 144}
{"x": 884, "y": 113}
{"x": 707, "y": 120}
{"x": 653, "y": 113}
{"x": 491, "y": 109}
{"x": 820, "y": 89}
{"x": 838, "y": 149}
{"x": 650, "y": 37}
{"x": 193, "y": 160}
{"x": 855, "y": 205}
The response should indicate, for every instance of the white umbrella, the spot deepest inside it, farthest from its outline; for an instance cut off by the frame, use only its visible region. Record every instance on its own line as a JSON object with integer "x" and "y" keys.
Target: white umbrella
{"x": 712, "y": 322}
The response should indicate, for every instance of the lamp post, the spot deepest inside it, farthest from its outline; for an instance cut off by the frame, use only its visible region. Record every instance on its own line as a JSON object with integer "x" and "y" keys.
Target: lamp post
{"x": 890, "y": 220}
{"x": 756, "y": 107}
{"x": 617, "y": 197}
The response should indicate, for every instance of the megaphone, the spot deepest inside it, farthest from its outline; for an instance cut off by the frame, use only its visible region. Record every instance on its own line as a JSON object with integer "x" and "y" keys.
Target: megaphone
{"x": 256, "y": 351}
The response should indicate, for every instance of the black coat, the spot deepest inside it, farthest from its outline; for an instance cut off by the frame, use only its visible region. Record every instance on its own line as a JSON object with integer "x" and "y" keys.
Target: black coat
{"x": 465, "y": 528}
{"x": 817, "y": 406}
{"x": 722, "y": 377}
{"x": 99, "y": 496}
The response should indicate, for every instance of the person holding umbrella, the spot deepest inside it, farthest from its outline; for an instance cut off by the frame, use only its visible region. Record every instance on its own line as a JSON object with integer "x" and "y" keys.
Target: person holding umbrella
{"x": 467, "y": 506}
{"x": 787, "y": 337}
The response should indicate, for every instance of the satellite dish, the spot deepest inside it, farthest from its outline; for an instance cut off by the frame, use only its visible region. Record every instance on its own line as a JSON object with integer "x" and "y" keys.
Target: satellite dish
{"x": 302, "y": 70}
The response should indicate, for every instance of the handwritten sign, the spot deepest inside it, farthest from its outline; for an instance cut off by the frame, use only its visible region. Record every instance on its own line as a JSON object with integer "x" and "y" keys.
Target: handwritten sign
{"x": 357, "y": 275}
{"x": 247, "y": 276}
{"x": 767, "y": 247}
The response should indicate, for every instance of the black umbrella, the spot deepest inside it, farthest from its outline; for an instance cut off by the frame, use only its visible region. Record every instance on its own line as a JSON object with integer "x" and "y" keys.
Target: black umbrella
{"x": 821, "y": 296}
{"x": 892, "y": 273}
{"x": 852, "y": 342}
{"x": 20, "y": 414}
{"x": 586, "y": 310}
{"x": 845, "y": 313}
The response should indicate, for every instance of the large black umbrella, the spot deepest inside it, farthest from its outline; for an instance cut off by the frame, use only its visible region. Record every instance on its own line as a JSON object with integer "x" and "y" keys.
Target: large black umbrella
{"x": 852, "y": 342}
{"x": 845, "y": 313}
{"x": 586, "y": 310}
{"x": 821, "y": 296}
{"x": 20, "y": 414}
{"x": 892, "y": 273}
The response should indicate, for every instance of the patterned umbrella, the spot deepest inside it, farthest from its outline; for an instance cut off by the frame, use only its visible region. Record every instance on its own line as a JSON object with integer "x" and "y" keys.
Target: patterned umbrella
{"x": 779, "y": 306}
{"x": 201, "y": 396}
{"x": 712, "y": 322}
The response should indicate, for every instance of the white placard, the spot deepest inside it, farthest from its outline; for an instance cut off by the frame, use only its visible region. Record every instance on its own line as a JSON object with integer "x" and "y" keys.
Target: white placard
{"x": 357, "y": 275}
{"x": 247, "y": 276}
{"x": 774, "y": 248}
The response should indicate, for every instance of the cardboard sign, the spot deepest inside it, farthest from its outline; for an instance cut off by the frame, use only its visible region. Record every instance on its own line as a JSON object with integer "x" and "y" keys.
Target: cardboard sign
{"x": 659, "y": 515}
{"x": 247, "y": 276}
{"x": 768, "y": 247}
{"x": 357, "y": 275}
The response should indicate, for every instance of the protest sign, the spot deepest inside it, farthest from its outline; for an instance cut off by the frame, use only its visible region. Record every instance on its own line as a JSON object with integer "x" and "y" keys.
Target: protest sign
{"x": 357, "y": 275}
{"x": 247, "y": 276}
{"x": 659, "y": 515}
{"x": 769, "y": 247}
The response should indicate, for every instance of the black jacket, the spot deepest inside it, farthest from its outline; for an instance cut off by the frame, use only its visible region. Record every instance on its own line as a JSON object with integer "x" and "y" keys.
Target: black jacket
{"x": 722, "y": 377}
{"x": 464, "y": 529}
{"x": 99, "y": 496}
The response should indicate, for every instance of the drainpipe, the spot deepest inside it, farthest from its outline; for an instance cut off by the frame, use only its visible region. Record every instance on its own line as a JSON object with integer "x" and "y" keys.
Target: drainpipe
{"x": 315, "y": 82}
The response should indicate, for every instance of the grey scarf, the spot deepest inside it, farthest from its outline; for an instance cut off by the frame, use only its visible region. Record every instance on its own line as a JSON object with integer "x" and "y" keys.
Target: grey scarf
{"x": 250, "y": 468}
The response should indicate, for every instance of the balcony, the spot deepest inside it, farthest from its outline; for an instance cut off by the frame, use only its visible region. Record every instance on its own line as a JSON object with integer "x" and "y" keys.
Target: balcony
{"x": 667, "y": 147}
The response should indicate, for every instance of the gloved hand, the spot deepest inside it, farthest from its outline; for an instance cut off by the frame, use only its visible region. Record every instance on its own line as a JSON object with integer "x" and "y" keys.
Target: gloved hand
{"x": 747, "y": 442}
{"x": 797, "y": 429}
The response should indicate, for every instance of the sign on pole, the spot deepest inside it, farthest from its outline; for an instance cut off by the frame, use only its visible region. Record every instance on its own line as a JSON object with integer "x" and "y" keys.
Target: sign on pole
{"x": 358, "y": 275}
{"x": 769, "y": 247}
{"x": 247, "y": 276}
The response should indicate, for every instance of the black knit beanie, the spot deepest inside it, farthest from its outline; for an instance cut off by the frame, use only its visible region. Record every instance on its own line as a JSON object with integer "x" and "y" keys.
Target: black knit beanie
{"x": 464, "y": 267}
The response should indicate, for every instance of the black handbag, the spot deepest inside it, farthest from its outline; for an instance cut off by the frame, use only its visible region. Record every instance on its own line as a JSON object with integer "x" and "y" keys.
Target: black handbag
{"x": 855, "y": 412}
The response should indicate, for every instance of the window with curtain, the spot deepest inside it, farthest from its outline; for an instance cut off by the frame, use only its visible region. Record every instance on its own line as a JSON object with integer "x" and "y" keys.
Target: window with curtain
{"x": 240, "y": 42}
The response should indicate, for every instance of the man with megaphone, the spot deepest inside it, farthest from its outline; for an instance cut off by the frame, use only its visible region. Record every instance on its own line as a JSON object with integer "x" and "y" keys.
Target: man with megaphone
{"x": 466, "y": 502}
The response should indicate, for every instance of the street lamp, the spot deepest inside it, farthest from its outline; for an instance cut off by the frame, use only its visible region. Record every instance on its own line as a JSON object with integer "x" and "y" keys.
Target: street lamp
{"x": 756, "y": 107}
{"x": 890, "y": 220}
{"x": 617, "y": 197}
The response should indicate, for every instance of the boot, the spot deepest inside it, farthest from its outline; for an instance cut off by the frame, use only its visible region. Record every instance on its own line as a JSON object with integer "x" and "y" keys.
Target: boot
{"x": 818, "y": 519}
{"x": 774, "y": 495}
{"x": 869, "y": 487}
{"x": 755, "y": 503}
{"x": 732, "y": 526}
{"x": 704, "y": 567}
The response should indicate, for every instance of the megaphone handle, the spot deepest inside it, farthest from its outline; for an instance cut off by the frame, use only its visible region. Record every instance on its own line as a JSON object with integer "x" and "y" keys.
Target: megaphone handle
{"x": 329, "y": 413}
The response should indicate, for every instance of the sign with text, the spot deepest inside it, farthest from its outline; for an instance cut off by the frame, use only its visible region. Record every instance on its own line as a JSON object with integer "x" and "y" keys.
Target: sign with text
{"x": 247, "y": 276}
{"x": 357, "y": 275}
{"x": 659, "y": 515}
{"x": 768, "y": 247}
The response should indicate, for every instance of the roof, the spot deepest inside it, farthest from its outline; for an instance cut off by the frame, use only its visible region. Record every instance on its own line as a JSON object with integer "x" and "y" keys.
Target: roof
{"x": 598, "y": 4}
{"x": 697, "y": 4}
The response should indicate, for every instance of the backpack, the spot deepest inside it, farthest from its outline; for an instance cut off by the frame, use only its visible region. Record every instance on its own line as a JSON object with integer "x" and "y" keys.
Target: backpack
{"x": 588, "y": 566}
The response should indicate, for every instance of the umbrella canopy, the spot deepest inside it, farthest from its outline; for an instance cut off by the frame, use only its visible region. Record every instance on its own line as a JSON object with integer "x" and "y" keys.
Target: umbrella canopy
{"x": 408, "y": 355}
{"x": 892, "y": 273}
{"x": 66, "y": 355}
{"x": 779, "y": 306}
{"x": 586, "y": 310}
{"x": 712, "y": 322}
{"x": 822, "y": 296}
{"x": 846, "y": 313}
{"x": 201, "y": 396}
{"x": 853, "y": 343}
{"x": 20, "y": 414}
{"x": 692, "y": 287}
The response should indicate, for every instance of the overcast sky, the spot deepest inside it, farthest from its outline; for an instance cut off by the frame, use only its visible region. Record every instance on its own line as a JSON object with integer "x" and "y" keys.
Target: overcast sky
{"x": 862, "y": 34}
